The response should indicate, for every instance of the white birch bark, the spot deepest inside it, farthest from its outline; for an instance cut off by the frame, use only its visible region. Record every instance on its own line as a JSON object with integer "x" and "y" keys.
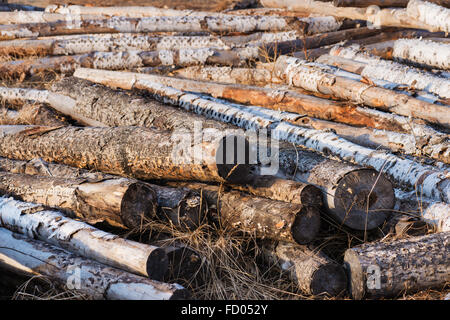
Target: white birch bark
{"x": 76, "y": 236}
{"x": 438, "y": 215}
{"x": 378, "y": 68}
{"x": 422, "y": 52}
{"x": 23, "y": 255}
{"x": 430, "y": 13}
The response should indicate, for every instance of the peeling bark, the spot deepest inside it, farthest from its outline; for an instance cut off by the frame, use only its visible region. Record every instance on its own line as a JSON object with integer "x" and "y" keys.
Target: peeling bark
{"x": 380, "y": 269}
{"x": 430, "y": 13}
{"x": 376, "y": 68}
{"x": 184, "y": 207}
{"x": 312, "y": 271}
{"x": 128, "y": 151}
{"x": 32, "y": 113}
{"x": 25, "y": 256}
{"x": 325, "y": 79}
{"x": 261, "y": 217}
{"x": 81, "y": 238}
{"x": 120, "y": 202}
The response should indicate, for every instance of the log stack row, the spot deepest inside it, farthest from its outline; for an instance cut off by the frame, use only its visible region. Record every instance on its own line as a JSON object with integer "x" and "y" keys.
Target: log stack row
{"x": 272, "y": 122}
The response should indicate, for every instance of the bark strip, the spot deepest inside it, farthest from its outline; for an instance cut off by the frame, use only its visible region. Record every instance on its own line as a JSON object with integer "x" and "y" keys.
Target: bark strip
{"x": 52, "y": 227}
{"x": 31, "y": 257}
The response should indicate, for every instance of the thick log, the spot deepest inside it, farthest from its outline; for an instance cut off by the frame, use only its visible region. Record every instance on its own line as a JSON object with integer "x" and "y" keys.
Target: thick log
{"x": 26, "y": 256}
{"x": 120, "y": 202}
{"x": 130, "y": 151}
{"x": 261, "y": 217}
{"x": 53, "y": 227}
{"x": 283, "y": 190}
{"x": 355, "y": 197}
{"x": 438, "y": 215}
{"x": 219, "y": 24}
{"x": 320, "y": 78}
{"x": 424, "y": 140}
{"x": 381, "y": 269}
{"x": 277, "y": 98}
{"x": 184, "y": 207}
{"x": 430, "y": 13}
{"x": 376, "y": 68}
{"x": 32, "y": 113}
{"x": 313, "y": 272}
{"x": 422, "y": 53}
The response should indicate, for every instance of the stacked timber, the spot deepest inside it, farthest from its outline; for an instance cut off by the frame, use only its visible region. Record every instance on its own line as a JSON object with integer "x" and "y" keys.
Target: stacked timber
{"x": 131, "y": 135}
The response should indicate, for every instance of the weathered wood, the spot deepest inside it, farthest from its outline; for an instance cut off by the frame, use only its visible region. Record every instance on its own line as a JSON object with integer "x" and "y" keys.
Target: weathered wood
{"x": 129, "y": 151}
{"x": 184, "y": 207}
{"x": 438, "y": 215}
{"x": 380, "y": 269}
{"x": 32, "y": 257}
{"x": 120, "y": 202}
{"x": 261, "y": 217}
{"x": 219, "y": 24}
{"x": 5, "y": 6}
{"x": 313, "y": 272}
{"x": 276, "y": 98}
{"x": 283, "y": 190}
{"x": 32, "y": 113}
{"x": 383, "y": 3}
{"x": 81, "y": 238}
{"x": 376, "y": 68}
{"x": 429, "y": 13}
{"x": 424, "y": 140}
{"x": 320, "y": 78}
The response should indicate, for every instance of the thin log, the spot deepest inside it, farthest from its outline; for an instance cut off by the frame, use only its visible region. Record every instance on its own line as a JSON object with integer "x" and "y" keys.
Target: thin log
{"x": 380, "y": 269}
{"x": 32, "y": 113}
{"x": 120, "y": 202}
{"x": 430, "y": 13}
{"x": 383, "y": 3}
{"x": 261, "y": 217}
{"x": 429, "y": 142}
{"x": 283, "y": 190}
{"x": 319, "y": 78}
{"x": 75, "y": 236}
{"x": 313, "y": 272}
{"x": 277, "y": 98}
{"x": 219, "y": 24}
{"x": 183, "y": 207}
{"x": 129, "y": 151}
{"x": 5, "y": 6}
{"x": 32, "y": 257}
{"x": 376, "y": 68}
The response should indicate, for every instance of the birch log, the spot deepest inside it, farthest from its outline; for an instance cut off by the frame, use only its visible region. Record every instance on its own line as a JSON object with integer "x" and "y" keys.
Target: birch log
{"x": 319, "y": 78}
{"x": 264, "y": 218}
{"x": 422, "y": 53}
{"x": 26, "y": 256}
{"x": 438, "y": 215}
{"x": 221, "y": 24}
{"x": 120, "y": 202}
{"x": 430, "y": 13}
{"x": 32, "y": 113}
{"x": 51, "y": 226}
{"x": 383, "y": 3}
{"x": 130, "y": 151}
{"x": 184, "y": 207}
{"x": 277, "y": 98}
{"x": 313, "y": 272}
{"x": 376, "y": 68}
{"x": 380, "y": 269}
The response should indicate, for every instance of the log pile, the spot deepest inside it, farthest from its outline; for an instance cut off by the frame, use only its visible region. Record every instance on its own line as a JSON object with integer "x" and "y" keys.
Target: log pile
{"x": 284, "y": 126}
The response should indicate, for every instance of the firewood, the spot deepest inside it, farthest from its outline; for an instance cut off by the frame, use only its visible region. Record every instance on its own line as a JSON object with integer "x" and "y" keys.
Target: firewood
{"x": 430, "y": 13}
{"x": 120, "y": 202}
{"x": 53, "y": 227}
{"x": 185, "y": 208}
{"x": 129, "y": 151}
{"x": 313, "y": 272}
{"x": 32, "y": 113}
{"x": 32, "y": 257}
{"x": 277, "y": 98}
{"x": 319, "y": 78}
{"x": 388, "y": 269}
{"x": 264, "y": 218}
{"x": 376, "y": 68}
{"x": 383, "y": 3}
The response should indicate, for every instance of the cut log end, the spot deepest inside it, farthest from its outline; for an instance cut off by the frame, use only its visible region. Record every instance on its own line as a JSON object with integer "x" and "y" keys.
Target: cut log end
{"x": 311, "y": 196}
{"x": 236, "y": 170}
{"x": 157, "y": 264}
{"x": 306, "y": 225}
{"x": 330, "y": 279}
{"x": 138, "y": 203}
{"x": 363, "y": 199}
